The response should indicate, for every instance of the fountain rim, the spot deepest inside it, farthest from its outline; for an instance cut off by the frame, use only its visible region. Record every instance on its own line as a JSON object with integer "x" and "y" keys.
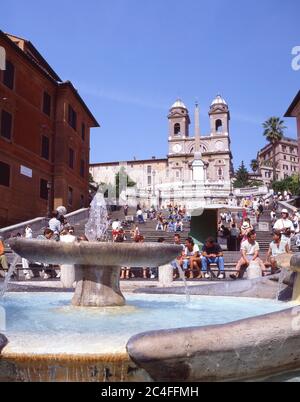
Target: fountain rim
{"x": 95, "y": 253}
{"x": 95, "y": 244}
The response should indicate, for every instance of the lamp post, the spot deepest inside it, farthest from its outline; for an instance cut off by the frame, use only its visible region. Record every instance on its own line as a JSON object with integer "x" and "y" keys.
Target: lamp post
{"x": 49, "y": 209}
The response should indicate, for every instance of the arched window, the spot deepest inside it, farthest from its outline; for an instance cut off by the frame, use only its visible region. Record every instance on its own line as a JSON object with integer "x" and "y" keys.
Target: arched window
{"x": 177, "y": 129}
{"x": 220, "y": 173}
{"x": 219, "y": 126}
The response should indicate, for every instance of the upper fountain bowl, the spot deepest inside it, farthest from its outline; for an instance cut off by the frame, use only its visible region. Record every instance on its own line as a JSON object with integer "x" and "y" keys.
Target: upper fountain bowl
{"x": 95, "y": 253}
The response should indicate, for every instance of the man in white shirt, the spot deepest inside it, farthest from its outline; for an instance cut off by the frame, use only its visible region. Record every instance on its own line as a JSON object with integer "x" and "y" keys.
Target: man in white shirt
{"x": 284, "y": 225}
{"x": 116, "y": 225}
{"x": 55, "y": 225}
{"x": 250, "y": 252}
{"x": 140, "y": 216}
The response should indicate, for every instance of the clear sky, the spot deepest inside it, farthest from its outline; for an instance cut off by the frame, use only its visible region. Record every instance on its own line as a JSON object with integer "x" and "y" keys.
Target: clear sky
{"x": 131, "y": 59}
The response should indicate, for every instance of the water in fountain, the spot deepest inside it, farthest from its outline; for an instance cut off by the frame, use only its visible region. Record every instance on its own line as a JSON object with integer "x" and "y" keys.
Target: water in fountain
{"x": 183, "y": 278}
{"x": 97, "y": 225}
{"x": 8, "y": 276}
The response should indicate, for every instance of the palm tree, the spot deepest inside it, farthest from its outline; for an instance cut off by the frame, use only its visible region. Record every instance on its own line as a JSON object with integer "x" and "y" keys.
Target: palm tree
{"x": 254, "y": 165}
{"x": 274, "y": 132}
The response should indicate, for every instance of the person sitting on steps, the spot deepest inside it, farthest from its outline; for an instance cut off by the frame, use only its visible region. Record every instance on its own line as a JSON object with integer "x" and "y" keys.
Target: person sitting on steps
{"x": 212, "y": 254}
{"x": 277, "y": 247}
{"x": 250, "y": 252}
{"x": 191, "y": 258}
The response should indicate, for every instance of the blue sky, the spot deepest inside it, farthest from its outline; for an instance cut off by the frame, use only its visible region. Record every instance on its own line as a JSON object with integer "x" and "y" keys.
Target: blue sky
{"x": 131, "y": 59}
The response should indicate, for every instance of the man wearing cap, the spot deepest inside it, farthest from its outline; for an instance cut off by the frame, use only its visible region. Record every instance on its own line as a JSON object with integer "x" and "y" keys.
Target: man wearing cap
{"x": 284, "y": 226}
{"x": 3, "y": 260}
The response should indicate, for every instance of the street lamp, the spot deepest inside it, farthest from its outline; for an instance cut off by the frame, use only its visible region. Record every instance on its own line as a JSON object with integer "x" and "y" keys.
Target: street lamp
{"x": 49, "y": 209}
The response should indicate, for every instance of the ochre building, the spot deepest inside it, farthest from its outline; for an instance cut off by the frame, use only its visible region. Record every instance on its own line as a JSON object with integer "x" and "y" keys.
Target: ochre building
{"x": 44, "y": 136}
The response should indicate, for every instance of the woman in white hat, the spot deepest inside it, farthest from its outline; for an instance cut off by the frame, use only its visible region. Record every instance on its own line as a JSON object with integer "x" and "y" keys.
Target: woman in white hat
{"x": 245, "y": 229}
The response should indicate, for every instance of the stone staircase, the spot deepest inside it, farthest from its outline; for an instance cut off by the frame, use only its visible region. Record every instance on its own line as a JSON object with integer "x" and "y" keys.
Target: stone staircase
{"x": 151, "y": 235}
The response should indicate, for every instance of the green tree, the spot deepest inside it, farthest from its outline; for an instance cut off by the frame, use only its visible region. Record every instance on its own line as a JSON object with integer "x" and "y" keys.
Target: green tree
{"x": 274, "y": 131}
{"x": 291, "y": 183}
{"x": 254, "y": 165}
{"x": 241, "y": 177}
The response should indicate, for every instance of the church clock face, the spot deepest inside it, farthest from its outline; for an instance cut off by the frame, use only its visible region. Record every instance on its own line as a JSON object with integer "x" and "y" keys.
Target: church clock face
{"x": 177, "y": 148}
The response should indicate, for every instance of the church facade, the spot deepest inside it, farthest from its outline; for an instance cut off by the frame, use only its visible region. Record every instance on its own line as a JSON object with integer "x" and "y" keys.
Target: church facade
{"x": 198, "y": 167}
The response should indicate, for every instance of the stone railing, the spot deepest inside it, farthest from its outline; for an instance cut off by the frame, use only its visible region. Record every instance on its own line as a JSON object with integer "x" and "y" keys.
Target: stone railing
{"x": 77, "y": 216}
{"x": 288, "y": 206}
{"x": 244, "y": 192}
{"x": 38, "y": 224}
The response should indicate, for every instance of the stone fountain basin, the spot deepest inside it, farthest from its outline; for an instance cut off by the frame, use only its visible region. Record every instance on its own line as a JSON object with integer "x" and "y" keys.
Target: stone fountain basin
{"x": 96, "y": 253}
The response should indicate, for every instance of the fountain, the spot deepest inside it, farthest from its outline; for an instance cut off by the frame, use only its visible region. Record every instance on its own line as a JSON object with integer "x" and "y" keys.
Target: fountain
{"x": 97, "y": 264}
{"x": 94, "y": 335}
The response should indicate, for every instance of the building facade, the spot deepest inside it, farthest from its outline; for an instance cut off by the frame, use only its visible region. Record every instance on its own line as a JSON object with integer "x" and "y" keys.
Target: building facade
{"x": 197, "y": 160}
{"x": 286, "y": 158}
{"x": 44, "y": 137}
{"x": 294, "y": 111}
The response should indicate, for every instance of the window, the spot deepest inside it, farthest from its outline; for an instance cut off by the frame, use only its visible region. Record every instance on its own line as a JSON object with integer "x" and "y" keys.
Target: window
{"x": 44, "y": 189}
{"x": 83, "y": 131}
{"x": 284, "y": 157}
{"x": 177, "y": 129}
{"x": 47, "y": 104}
{"x": 81, "y": 201}
{"x": 45, "y": 147}
{"x": 149, "y": 181}
{"x": 291, "y": 150}
{"x": 71, "y": 158}
{"x": 283, "y": 148}
{"x": 220, "y": 173}
{"x": 6, "y": 124}
{"x": 9, "y": 75}
{"x": 72, "y": 117}
{"x": 149, "y": 169}
{"x": 70, "y": 196}
{"x": 219, "y": 126}
{"x": 4, "y": 174}
{"x": 82, "y": 168}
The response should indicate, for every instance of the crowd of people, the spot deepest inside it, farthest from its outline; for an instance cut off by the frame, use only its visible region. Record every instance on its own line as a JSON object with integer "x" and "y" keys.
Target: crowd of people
{"x": 58, "y": 230}
{"x": 195, "y": 262}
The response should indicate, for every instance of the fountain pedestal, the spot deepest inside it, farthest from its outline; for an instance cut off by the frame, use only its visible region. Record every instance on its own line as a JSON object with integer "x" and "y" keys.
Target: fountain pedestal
{"x": 97, "y": 286}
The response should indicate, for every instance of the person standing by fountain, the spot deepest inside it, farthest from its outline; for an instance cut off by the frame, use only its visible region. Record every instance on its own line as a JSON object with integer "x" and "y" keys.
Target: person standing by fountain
{"x": 3, "y": 260}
